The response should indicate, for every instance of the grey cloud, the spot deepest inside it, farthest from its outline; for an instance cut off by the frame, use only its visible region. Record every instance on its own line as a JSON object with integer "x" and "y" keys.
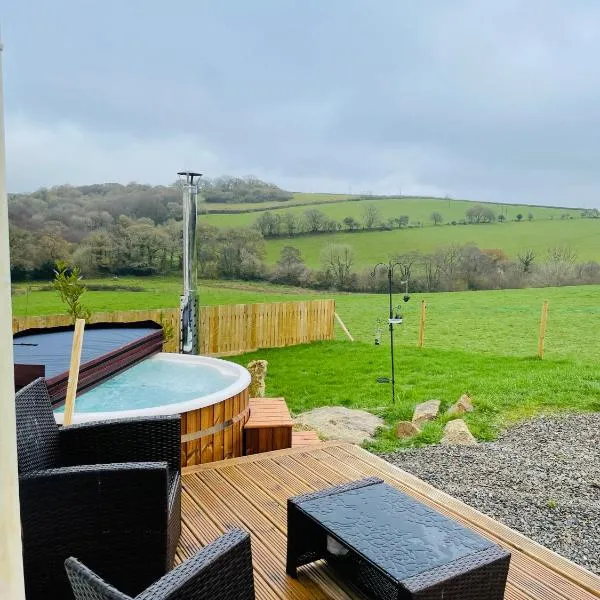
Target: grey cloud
{"x": 472, "y": 98}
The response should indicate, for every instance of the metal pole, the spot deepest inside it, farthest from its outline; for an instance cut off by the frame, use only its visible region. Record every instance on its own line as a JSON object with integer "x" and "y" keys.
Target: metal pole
{"x": 189, "y": 311}
{"x": 11, "y": 561}
{"x": 390, "y": 275}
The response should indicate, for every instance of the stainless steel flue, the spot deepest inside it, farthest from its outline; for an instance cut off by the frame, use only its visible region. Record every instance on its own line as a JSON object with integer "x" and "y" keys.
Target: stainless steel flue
{"x": 189, "y": 337}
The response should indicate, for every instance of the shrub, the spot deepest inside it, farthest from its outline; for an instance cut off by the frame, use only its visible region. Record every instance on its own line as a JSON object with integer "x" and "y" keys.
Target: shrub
{"x": 67, "y": 282}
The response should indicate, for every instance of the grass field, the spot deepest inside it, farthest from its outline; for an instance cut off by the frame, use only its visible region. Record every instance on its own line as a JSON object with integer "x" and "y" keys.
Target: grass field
{"x": 545, "y": 231}
{"x": 418, "y": 209}
{"x": 483, "y": 343}
{"x": 298, "y": 198}
{"x": 371, "y": 247}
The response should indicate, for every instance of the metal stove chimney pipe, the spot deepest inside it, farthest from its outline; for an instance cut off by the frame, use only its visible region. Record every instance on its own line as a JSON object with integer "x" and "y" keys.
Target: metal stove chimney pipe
{"x": 189, "y": 338}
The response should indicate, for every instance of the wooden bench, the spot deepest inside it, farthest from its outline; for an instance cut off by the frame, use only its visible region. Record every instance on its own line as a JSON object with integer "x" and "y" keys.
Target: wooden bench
{"x": 304, "y": 438}
{"x": 269, "y": 426}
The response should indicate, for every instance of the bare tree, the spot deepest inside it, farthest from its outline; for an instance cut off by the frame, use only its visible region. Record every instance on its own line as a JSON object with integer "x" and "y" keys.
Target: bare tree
{"x": 562, "y": 254}
{"x": 371, "y": 216}
{"x": 406, "y": 263}
{"x": 337, "y": 261}
{"x": 526, "y": 258}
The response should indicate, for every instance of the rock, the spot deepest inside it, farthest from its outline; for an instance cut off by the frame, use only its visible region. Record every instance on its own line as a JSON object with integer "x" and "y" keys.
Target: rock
{"x": 463, "y": 405}
{"x": 258, "y": 372}
{"x": 426, "y": 411}
{"x": 406, "y": 429}
{"x": 341, "y": 423}
{"x": 456, "y": 433}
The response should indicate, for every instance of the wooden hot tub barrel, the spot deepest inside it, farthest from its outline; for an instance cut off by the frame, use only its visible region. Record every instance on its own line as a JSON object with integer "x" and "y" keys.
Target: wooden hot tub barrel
{"x": 214, "y": 432}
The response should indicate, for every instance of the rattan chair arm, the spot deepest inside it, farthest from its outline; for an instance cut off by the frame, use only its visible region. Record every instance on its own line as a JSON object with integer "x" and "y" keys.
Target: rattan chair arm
{"x": 222, "y": 570}
{"x": 123, "y": 440}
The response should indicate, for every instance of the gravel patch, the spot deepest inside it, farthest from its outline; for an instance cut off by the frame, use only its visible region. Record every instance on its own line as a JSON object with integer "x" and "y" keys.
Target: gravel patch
{"x": 541, "y": 477}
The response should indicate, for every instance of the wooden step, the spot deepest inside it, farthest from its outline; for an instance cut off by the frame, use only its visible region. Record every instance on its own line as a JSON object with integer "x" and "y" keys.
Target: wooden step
{"x": 269, "y": 426}
{"x": 304, "y": 438}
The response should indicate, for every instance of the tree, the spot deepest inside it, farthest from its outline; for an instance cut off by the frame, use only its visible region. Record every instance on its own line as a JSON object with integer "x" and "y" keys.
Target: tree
{"x": 240, "y": 253}
{"x": 371, "y": 216}
{"x": 269, "y": 224}
{"x": 530, "y": 216}
{"x": 403, "y": 221}
{"x": 337, "y": 261}
{"x": 405, "y": 264}
{"x": 501, "y": 218}
{"x": 436, "y": 217}
{"x": 562, "y": 254}
{"x": 242, "y": 189}
{"x": 315, "y": 220}
{"x": 526, "y": 257}
{"x": 289, "y": 223}
{"x": 149, "y": 243}
{"x": 351, "y": 223}
{"x": 290, "y": 266}
{"x": 589, "y": 213}
{"x": 67, "y": 282}
{"x": 519, "y": 217}
{"x": 480, "y": 214}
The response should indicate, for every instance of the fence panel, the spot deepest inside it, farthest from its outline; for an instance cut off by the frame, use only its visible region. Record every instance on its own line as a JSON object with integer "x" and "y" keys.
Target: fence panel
{"x": 225, "y": 330}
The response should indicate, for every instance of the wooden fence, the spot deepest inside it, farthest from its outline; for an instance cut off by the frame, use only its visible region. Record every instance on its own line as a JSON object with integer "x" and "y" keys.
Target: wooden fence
{"x": 168, "y": 317}
{"x": 225, "y": 329}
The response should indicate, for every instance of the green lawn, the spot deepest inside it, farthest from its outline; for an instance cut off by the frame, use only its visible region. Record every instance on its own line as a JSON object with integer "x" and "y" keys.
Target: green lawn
{"x": 371, "y": 247}
{"x": 504, "y": 389}
{"x": 483, "y": 343}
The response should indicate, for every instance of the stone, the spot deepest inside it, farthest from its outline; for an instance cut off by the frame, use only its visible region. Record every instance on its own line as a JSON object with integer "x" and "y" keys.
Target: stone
{"x": 258, "y": 372}
{"x": 463, "y": 405}
{"x": 341, "y": 423}
{"x": 406, "y": 429}
{"x": 456, "y": 433}
{"x": 426, "y": 411}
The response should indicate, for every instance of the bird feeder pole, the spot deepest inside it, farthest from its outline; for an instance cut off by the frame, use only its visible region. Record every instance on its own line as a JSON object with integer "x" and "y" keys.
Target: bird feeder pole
{"x": 393, "y": 319}
{"x": 11, "y": 561}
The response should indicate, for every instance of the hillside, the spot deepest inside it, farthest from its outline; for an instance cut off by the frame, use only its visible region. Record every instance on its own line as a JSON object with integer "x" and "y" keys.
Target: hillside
{"x": 111, "y": 229}
{"x": 370, "y": 247}
{"x": 339, "y": 207}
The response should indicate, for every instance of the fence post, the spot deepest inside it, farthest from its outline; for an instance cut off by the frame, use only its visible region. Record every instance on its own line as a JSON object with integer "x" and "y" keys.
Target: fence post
{"x": 543, "y": 323}
{"x": 344, "y": 328}
{"x": 422, "y": 324}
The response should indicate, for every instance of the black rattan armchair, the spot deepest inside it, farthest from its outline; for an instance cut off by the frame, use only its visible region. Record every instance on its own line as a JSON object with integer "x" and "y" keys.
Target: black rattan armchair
{"x": 108, "y": 493}
{"x": 220, "y": 571}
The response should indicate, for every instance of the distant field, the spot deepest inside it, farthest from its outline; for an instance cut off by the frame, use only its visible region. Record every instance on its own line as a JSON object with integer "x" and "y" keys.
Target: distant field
{"x": 418, "y": 209}
{"x": 157, "y": 292}
{"x": 299, "y": 198}
{"x": 371, "y": 247}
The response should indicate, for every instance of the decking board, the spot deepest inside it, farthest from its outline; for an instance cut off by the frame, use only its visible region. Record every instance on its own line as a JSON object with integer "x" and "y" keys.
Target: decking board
{"x": 251, "y": 492}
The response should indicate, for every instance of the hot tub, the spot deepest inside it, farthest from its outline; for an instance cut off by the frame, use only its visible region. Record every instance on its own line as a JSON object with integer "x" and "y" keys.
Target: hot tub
{"x": 210, "y": 394}
{"x": 107, "y": 349}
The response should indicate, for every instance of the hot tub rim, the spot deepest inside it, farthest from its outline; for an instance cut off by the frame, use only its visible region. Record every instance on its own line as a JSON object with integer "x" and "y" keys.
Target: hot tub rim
{"x": 242, "y": 382}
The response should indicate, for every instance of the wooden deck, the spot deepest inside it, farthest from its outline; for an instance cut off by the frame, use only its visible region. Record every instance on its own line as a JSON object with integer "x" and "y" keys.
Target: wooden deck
{"x": 251, "y": 493}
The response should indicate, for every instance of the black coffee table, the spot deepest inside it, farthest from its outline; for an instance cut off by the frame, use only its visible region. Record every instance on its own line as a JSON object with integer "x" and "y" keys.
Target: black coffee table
{"x": 392, "y": 546}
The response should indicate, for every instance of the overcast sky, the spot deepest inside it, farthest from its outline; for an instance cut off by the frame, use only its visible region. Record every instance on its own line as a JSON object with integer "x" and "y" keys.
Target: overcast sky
{"x": 472, "y": 98}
